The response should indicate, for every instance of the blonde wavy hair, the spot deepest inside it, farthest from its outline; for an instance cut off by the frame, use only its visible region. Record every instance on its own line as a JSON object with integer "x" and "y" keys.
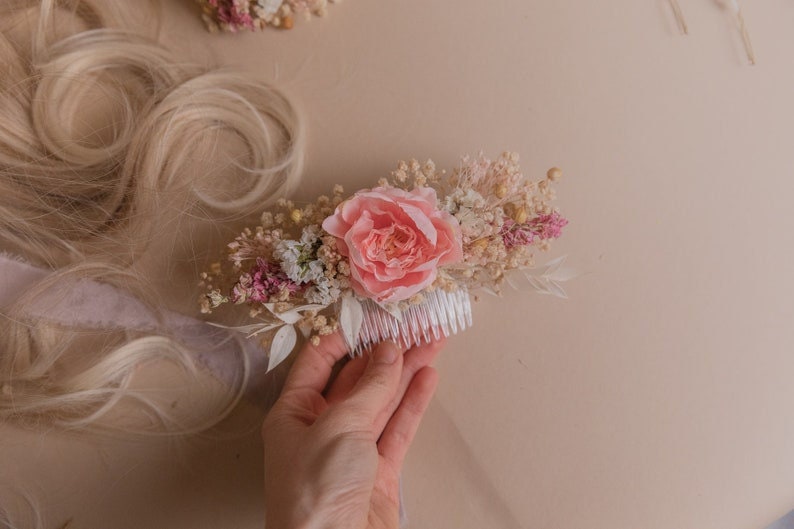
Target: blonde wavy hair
{"x": 108, "y": 146}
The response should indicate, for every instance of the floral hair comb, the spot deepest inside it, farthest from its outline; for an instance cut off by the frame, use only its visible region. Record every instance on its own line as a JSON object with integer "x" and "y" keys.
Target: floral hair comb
{"x": 396, "y": 262}
{"x": 236, "y": 15}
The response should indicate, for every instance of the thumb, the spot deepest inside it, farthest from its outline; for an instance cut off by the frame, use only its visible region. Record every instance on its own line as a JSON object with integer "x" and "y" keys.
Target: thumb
{"x": 378, "y": 385}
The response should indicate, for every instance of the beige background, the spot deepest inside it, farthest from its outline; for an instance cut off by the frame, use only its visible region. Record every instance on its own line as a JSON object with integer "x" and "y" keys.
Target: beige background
{"x": 660, "y": 394}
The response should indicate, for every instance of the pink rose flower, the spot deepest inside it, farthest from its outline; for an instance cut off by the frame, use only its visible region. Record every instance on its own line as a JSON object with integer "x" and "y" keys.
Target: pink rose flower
{"x": 394, "y": 240}
{"x": 265, "y": 279}
{"x": 544, "y": 227}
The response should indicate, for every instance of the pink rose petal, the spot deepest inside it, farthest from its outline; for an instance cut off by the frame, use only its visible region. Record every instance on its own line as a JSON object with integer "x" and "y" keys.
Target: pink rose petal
{"x": 395, "y": 240}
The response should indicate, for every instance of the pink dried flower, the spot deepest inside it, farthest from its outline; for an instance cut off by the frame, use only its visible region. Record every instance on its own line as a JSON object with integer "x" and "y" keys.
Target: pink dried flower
{"x": 515, "y": 234}
{"x": 266, "y": 279}
{"x": 235, "y": 13}
{"x": 544, "y": 227}
{"x": 548, "y": 226}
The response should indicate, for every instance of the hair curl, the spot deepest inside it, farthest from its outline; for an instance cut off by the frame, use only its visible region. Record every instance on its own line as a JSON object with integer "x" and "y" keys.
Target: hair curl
{"x": 105, "y": 139}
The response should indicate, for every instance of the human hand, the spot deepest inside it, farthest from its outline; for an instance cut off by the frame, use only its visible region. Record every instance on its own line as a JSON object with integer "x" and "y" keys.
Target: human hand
{"x": 333, "y": 458}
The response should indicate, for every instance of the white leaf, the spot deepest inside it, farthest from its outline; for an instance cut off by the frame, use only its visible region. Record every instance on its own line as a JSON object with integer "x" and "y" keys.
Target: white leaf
{"x": 489, "y": 290}
{"x": 242, "y": 328}
{"x": 264, "y": 328}
{"x": 556, "y": 290}
{"x": 290, "y": 317}
{"x": 509, "y": 277}
{"x": 552, "y": 266}
{"x": 306, "y": 330}
{"x": 564, "y": 274}
{"x": 310, "y": 306}
{"x": 536, "y": 283}
{"x": 351, "y": 316}
{"x": 293, "y": 315}
{"x": 250, "y": 330}
{"x": 283, "y": 343}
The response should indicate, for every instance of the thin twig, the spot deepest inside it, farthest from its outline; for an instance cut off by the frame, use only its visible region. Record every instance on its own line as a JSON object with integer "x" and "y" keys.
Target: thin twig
{"x": 679, "y": 16}
{"x": 748, "y": 46}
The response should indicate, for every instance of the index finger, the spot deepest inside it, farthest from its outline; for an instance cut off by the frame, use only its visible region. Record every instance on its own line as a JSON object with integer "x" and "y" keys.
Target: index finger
{"x": 312, "y": 367}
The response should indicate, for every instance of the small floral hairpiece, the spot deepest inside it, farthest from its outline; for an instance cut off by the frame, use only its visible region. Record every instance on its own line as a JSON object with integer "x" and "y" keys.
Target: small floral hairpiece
{"x": 397, "y": 261}
{"x": 237, "y": 15}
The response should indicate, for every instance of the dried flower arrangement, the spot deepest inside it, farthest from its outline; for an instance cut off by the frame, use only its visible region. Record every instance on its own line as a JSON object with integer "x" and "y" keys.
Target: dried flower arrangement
{"x": 237, "y": 15}
{"x": 394, "y": 262}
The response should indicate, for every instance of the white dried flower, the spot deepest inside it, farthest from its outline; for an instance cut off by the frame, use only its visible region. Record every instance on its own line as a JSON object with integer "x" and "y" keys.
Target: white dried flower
{"x": 324, "y": 291}
{"x": 298, "y": 259}
{"x": 269, "y": 7}
{"x": 472, "y": 225}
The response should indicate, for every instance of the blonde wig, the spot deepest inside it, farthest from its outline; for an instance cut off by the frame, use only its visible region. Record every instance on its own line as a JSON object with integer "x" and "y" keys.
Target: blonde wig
{"x": 108, "y": 145}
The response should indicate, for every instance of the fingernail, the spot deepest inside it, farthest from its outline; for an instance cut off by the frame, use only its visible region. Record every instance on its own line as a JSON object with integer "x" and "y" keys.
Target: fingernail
{"x": 386, "y": 353}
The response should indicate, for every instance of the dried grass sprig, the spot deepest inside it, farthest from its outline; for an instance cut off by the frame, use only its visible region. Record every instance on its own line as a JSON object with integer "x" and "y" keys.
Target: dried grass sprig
{"x": 736, "y": 11}
{"x": 679, "y": 16}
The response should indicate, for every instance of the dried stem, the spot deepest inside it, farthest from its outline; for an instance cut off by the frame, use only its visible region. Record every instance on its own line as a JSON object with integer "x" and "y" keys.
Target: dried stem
{"x": 679, "y": 16}
{"x": 748, "y": 46}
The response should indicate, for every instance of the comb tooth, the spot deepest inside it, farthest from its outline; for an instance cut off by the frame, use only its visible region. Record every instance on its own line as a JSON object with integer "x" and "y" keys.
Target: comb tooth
{"x": 459, "y": 310}
{"x": 467, "y": 309}
{"x": 362, "y": 336}
{"x": 371, "y": 322}
{"x": 410, "y": 326}
{"x": 406, "y": 328}
{"x": 449, "y": 308}
{"x": 392, "y": 327}
{"x": 441, "y": 313}
{"x": 383, "y": 330}
{"x": 403, "y": 333}
{"x": 424, "y": 324}
{"x": 432, "y": 315}
{"x": 384, "y": 319}
{"x": 420, "y": 327}
{"x": 357, "y": 347}
{"x": 374, "y": 326}
{"x": 374, "y": 335}
{"x": 455, "y": 305}
{"x": 367, "y": 333}
{"x": 416, "y": 325}
{"x": 452, "y": 305}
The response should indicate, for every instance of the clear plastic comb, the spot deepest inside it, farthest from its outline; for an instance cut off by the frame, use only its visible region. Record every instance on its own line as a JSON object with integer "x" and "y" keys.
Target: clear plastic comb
{"x": 440, "y": 314}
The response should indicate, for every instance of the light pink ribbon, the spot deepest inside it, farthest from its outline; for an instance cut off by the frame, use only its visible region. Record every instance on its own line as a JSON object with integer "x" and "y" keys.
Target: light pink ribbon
{"x": 89, "y": 304}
